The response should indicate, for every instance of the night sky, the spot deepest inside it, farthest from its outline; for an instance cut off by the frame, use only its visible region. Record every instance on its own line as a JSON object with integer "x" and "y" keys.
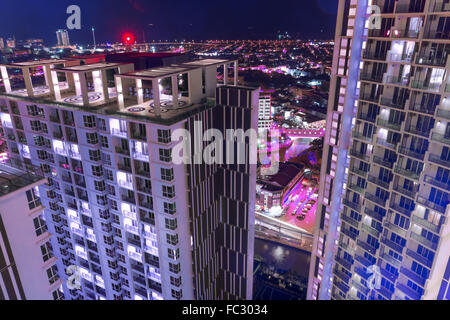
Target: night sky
{"x": 170, "y": 19}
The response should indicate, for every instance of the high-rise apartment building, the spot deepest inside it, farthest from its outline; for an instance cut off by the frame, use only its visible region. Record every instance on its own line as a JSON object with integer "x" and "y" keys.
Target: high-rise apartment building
{"x": 11, "y": 42}
{"x": 382, "y": 230}
{"x": 62, "y": 37}
{"x": 135, "y": 224}
{"x": 27, "y": 265}
{"x": 264, "y": 111}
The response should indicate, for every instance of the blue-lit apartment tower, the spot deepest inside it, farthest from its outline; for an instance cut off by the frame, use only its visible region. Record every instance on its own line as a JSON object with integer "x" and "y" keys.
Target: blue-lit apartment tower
{"x": 135, "y": 224}
{"x": 383, "y": 198}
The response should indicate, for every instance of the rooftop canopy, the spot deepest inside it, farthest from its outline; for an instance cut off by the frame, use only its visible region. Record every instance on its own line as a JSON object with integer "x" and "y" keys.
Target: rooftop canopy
{"x": 89, "y": 67}
{"x": 34, "y": 63}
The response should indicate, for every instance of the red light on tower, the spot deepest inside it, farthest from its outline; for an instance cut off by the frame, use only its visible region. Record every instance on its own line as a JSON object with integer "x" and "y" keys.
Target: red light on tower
{"x": 128, "y": 38}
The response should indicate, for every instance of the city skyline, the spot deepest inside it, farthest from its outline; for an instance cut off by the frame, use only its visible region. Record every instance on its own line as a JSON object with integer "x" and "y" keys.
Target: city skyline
{"x": 193, "y": 21}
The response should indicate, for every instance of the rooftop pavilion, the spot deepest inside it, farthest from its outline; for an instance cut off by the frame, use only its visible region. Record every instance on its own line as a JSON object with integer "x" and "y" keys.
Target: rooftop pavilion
{"x": 169, "y": 88}
{"x": 160, "y": 93}
{"x": 93, "y": 84}
{"x": 22, "y": 84}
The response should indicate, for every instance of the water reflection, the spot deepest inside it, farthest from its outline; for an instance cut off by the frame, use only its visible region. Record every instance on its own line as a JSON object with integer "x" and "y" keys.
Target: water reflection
{"x": 283, "y": 257}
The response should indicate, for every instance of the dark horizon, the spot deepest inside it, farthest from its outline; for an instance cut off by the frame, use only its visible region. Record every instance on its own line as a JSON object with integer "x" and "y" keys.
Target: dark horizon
{"x": 171, "y": 20}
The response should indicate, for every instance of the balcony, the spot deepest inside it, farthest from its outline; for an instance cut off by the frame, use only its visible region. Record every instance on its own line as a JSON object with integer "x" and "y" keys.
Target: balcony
{"x": 388, "y": 274}
{"x": 128, "y": 199}
{"x": 374, "y": 232}
{"x": 362, "y": 173}
{"x": 419, "y": 132}
{"x": 146, "y": 205}
{"x": 368, "y": 97}
{"x": 337, "y": 296}
{"x": 399, "y": 81}
{"x": 400, "y": 57}
{"x": 366, "y": 116}
{"x": 374, "y": 56}
{"x": 440, "y": 138}
{"x": 423, "y": 241}
{"x": 411, "y": 153}
{"x": 422, "y": 59}
{"x": 371, "y": 77}
{"x": 351, "y": 204}
{"x": 422, "y": 85}
{"x": 403, "y": 191}
{"x": 385, "y": 293}
{"x": 143, "y": 188}
{"x": 373, "y": 214}
{"x": 397, "y": 207}
{"x": 419, "y": 258}
{"x": 359, "y": 155}
{"x": 138, "y": 135}
{"x": 383, "y": 162}
{"x": 433, "y": 181}
{"x": 139, "y": 280}
{"x": 414, "y": 295}
{"x": 391, "y": 244}
{"x": 440, "y": 6}
{"x": 391, "y": 260}
{"x": 57, "y": 135}
{"x": 345, "y": 263}
{"x": 378, "y": 33}
{"x": 350, "y": 221}
{"x": 142, "y": 172}
{"x": 389, "y": 103}
{"x": 349, "y": 233}
{"x": 360, "y": 136}
{"x": 124, "y": 167}
{"x": 123, "y": 151}
{"x": 356, "y": 188}
{"x": 445, "y": 114}
{"x": 394, "y": 228}
{"x": 360, "y": 287}
{"x": 422, "y": 109}
{"x": 404, "y": 33}
{"x": 413, "y": 276}
{"x": 131, "y": 229}
{"x": 378, "y": 182}
{"x": 137, "y": 268}
{"x": 437, "y": 34}
{"x": 360, "y": 271}
{"x": 369, "y": 248}
{"x": 430, "y": 204}
{"x": 69, "y": 192}
{"x": 386, "y": 143}
{"x": 389, "y": 125}
{"x": 341, "y": 275}
{"x": 407, "y": 173}
{"x": 364, "y": 261}
{"x": 380, "y": 201}
{"x": 341, "y": 286}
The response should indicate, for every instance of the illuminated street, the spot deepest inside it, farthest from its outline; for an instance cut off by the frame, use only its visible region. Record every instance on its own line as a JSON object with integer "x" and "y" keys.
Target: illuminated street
{"x": 298, "y": 205}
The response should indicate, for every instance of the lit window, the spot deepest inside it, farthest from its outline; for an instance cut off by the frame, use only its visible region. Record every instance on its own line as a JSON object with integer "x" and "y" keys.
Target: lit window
{"x": 164, "y": 136}
{"x": 52, "y": 274}
{"x": 39, "y": 225}
{"x": 33, "y": 199}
